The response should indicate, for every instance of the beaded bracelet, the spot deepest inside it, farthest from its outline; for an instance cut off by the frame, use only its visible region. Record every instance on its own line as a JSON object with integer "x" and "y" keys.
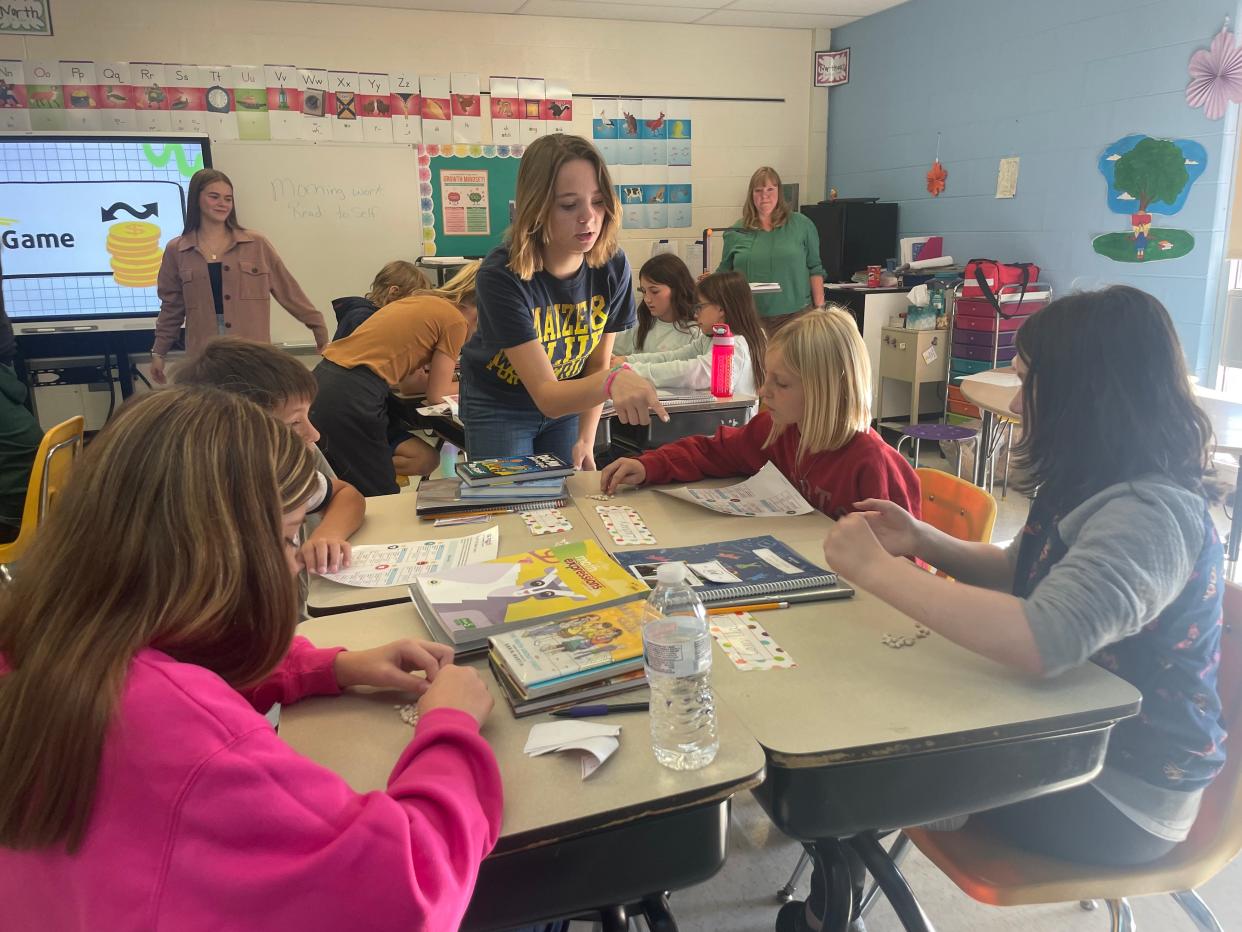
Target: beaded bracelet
{"x": 612, "y": 374}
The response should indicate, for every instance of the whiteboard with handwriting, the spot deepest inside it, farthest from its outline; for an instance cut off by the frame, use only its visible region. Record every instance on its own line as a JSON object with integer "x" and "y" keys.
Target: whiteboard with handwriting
{"x": 335, "y": 213}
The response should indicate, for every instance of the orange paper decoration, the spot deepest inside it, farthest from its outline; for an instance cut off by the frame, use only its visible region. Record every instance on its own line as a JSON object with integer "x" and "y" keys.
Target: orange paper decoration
{"x": 936, "y": 179}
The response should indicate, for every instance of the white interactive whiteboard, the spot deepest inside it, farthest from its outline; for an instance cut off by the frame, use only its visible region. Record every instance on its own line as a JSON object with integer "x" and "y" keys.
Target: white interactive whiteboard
{"x": 336, "y": 213}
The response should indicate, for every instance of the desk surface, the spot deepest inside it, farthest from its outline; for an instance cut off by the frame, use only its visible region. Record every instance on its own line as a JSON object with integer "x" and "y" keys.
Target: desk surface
{"x": 390, "y": 519}
{"x": 360, "y": 736}
{"x": 993, "y": 390}
{"x": 851, "y": 697}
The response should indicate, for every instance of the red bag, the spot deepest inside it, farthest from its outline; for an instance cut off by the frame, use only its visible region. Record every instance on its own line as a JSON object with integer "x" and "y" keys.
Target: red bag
{"x": 986, "y": 277}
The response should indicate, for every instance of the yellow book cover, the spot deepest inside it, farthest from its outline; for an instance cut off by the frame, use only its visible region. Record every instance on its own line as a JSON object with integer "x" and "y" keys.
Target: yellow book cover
{"x": 548, "y": 584}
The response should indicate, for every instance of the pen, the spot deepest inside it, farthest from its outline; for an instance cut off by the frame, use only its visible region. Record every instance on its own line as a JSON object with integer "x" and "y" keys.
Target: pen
{"x": 757, "y": 607}
{"x": 586, "y": 711}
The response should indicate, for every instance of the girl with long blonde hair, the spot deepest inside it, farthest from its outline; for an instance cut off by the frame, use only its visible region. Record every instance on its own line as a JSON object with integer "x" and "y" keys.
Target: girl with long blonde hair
{"x": 815, "y": 426}
{"x": 536, "y": 373}
{"x": 140, "y": 783}
{"x": 411, "y": 345}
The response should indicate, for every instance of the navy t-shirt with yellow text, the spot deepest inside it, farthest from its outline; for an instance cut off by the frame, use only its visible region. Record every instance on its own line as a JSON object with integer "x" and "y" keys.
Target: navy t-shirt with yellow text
{"x": 569, "y": 316}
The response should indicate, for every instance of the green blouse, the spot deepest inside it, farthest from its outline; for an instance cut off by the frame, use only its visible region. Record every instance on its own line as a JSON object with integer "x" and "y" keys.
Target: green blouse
{"x": 788, "y": 255}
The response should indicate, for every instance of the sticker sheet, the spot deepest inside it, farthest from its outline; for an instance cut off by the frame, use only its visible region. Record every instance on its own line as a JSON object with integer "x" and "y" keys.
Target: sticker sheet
{"x": 747, "y": 645}
{"x": 546, "y": 521}
{"x": 625, "y": 525}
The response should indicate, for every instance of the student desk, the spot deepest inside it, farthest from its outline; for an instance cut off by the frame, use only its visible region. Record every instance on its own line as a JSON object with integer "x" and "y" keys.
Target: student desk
{"x": 391, "y": 518}
{"x": 860, "y": 737}
{"x": 992, "y": 391}
{"x": 626, "y": 835}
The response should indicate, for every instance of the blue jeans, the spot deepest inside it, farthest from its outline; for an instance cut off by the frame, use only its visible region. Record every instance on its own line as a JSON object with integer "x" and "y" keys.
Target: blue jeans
{"x": 494, "y": 429}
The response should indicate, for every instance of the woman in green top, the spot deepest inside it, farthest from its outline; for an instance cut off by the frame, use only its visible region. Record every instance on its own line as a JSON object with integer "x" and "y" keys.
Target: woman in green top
{"x": 773, "y": 244}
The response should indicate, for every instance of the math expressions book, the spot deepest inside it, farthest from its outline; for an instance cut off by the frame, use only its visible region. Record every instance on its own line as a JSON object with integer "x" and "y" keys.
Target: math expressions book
{"x": 468, "y": 603}
{"x": 513, "y": 469}
{"x": 736, "y": 569}
{"x": 555, "y": 656}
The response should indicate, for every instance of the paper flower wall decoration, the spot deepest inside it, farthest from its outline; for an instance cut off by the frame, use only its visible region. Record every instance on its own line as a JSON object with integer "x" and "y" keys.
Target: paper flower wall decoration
{"x": 936, "y": 179}
{"x": 1215, "y": 76}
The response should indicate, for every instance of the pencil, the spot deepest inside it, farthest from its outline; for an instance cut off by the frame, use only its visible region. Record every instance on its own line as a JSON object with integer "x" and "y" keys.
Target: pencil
{"x": 757, "y": 607}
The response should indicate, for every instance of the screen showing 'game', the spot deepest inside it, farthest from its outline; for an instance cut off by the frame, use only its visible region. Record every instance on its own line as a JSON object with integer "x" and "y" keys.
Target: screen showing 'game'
{"x": 84, "y": 222}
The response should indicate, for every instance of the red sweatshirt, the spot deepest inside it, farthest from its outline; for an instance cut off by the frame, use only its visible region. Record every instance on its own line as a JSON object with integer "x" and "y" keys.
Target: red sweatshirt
{"x": 832, "y": 480}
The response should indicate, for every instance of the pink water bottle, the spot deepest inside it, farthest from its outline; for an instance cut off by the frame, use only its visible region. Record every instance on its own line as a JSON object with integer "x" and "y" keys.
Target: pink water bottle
{"x": 722, "y": 360}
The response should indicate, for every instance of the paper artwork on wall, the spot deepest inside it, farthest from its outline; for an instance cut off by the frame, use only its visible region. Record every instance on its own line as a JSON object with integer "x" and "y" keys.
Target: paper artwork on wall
{"x": 250, "y": 97}
{"x": 1145, "y": 176}
{"x": 316, "y": 123}
{"x": 679, "y": 132}
{"x": 14, "y": 112}
{"x": 81, "y": 94}
{"x": 936, "y": 178}
{"x": 44, "y": 95}
{"x": 218, "y": 97}
{"x": 605, "y": 117}
{"x": 532, "y": 125}
{"x": 653, "y": 132}
{"x": 647, "y": 143}
{"x": 467, "y": 107}
{"x": 1215, "y": 76}
{"x": 558, "y": 106}
{"x": 343, "y": 106}
{"x": 629, "y": 144}
{"x": 375, "y": 106}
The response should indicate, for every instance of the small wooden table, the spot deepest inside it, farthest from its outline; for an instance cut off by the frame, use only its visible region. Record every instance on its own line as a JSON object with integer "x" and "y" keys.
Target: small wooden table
{"x": 621, "y": 838}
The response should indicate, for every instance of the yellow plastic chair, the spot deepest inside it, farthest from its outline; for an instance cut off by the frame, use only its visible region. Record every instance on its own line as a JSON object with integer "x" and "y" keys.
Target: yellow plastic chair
{"x": 991, "y": 870}
{"x": 48, "y": 475}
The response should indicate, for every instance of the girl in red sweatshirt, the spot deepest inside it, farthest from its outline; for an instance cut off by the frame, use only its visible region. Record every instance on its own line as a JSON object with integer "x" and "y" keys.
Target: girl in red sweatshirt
{"x": 815, "y": 426}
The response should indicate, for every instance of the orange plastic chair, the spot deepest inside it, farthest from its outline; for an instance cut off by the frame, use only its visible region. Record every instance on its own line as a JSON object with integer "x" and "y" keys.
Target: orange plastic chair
{"x": 48, "y": 475}
{"x": 959, "y": 508}
{"x": 991, "y": 870}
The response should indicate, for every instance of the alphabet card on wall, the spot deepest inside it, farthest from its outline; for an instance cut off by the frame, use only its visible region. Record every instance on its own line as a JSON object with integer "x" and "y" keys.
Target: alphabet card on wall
{"x": 437, "y": 110}
{"x": 250, "y": 95}
{"x": 506, "y": 109}
{"x": 467, "y": 107}
{"x": 316, "y": 124}
{"x": 45, "y": 96}
{"x": 116, "y": 95}
{"x": 218, "y": 95}
{"x": 558, "y": 106}
{"x": 605, "y": 117}
{"x": 81, "y": 94}
{"x": 343, "y": 106}
{"x": 679, "y": 132}
{"x": 532, "y": 93}
{"x": 406, "y": 104}
{"x": 1146, "y": 176}
{"x": 629, "y": 147}
{"x": 284, "y": 101}
{"x": 375, "y": 104}
{"x": 187, "y": 98}
{"x": 14, "y": 114}
{"x": 653, "y": 132}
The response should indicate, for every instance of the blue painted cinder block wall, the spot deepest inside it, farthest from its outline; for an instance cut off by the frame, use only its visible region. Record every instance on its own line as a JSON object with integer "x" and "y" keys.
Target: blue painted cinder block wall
{"x": 1053, "y": 82}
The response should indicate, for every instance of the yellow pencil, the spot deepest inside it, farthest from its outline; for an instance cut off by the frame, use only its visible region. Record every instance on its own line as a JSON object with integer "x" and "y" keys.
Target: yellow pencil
{"x": 757, "y": 607}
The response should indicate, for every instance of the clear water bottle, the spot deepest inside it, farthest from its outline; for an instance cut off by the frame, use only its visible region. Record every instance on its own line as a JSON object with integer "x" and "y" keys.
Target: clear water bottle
{"x": 677, "y": 654}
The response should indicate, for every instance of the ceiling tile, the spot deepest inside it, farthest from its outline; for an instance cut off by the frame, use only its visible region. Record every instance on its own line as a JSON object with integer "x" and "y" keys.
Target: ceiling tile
{"x": 773, "y": 20}
{"x": 453, "y": 6}
{"x": 844, "y": 11}
{"x": 611, "y": 10}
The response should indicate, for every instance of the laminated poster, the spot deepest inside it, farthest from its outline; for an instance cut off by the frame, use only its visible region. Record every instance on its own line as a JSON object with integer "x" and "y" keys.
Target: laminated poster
{"x": 506, "y": 109}
{"x": 315, "y": 121}
{"x": 406, "y": 107}
{"x": 14, "y": 113}
{"x": 464, "y": 206}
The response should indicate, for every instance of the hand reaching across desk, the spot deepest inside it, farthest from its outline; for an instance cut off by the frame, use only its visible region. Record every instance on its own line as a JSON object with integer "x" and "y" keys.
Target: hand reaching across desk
{"x": 623, "y": 471}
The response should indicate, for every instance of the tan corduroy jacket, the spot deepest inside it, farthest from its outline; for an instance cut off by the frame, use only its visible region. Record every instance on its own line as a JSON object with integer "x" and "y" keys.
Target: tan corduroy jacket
{"x": 251, "y": 273}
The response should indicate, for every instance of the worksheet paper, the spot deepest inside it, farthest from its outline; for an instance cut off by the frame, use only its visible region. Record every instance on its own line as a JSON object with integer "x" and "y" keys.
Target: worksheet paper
{"x": 377, "y": 565}
{"x": 766, "y": 494}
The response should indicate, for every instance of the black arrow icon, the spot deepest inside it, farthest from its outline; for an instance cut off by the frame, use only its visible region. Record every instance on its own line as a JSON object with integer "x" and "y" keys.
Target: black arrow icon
{"x": 109, "y": 213}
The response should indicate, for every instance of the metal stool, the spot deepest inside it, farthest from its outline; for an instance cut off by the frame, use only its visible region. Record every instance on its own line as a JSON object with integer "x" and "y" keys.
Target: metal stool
{"x": 938, "y": 432}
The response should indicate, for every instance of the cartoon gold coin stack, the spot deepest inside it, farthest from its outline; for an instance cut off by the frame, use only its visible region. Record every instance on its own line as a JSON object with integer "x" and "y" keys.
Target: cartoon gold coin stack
{"x": 136, "y": 254}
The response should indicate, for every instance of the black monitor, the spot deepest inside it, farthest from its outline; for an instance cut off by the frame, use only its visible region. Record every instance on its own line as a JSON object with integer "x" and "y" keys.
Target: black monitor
{"x": 84, "y": 220}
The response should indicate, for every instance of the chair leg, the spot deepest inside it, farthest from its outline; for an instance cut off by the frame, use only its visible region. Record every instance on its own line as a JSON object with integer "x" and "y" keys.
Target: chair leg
{"x": 878, "y": 863}
{"x": 1008, "y": 450}
{"x": 916, "y": 452}
{"x": 1197, "y": 910}
{"x": 785, "y": 893}
{"x": 896, "y": 853}
{"x": 1122, "y": 918}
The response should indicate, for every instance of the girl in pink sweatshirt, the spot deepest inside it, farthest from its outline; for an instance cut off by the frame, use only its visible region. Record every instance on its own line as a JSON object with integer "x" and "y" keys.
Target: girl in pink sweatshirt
{"x": 140, "y": 785}
{"x": 815, "y": 426}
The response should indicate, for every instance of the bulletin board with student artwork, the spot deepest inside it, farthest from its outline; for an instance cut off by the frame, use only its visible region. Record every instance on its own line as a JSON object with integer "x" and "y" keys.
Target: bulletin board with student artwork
{"x": 466, "y": 192}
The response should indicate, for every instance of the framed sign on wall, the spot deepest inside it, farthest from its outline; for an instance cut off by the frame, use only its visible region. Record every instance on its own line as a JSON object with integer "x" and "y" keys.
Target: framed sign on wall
{"x": 832, "y": 68}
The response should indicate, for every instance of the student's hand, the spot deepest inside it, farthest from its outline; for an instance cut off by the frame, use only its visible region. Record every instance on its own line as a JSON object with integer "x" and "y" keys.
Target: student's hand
{"x": 321, "y": 338}
{"x": 458, "y": 688}
{"x": 895, "y": 528}
{"x": 635, "y": 398}
{"x": 852, "y": 550}
{"x": 616, "y": 361}
{"x": 583, "y": 455}
{"x": 393, "y": 666}
{"x": 702, "y": 275}
{"x": 326, "y": 554}
{"x": 624, "y": 471}
{"x": 157, "y": 370}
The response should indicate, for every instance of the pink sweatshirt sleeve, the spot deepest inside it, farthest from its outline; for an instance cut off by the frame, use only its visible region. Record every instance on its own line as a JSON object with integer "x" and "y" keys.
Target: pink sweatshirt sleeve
{"x": 307, "y": 670}
{"x": 266, "y": 839}
{"x": 732, "y": 451}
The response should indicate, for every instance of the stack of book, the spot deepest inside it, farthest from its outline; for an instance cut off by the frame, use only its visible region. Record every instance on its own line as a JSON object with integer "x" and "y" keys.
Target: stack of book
{"x": 509, "y": 483}
{"x": 557, "y": 664}
{"x": 466, "y": 605}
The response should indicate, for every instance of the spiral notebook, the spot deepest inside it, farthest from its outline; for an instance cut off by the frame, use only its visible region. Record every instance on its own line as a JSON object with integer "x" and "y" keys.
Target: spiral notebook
{"x": 737, "y": 569}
